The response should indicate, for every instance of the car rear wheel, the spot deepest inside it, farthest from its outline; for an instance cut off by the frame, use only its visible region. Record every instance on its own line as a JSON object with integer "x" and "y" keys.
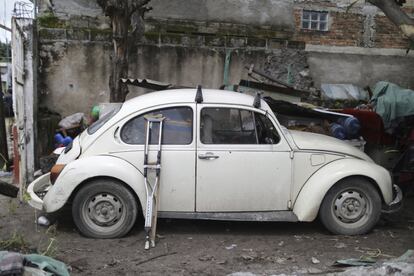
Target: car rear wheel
{"x": 104, "y": 209}
{"x": 351, "y": 207}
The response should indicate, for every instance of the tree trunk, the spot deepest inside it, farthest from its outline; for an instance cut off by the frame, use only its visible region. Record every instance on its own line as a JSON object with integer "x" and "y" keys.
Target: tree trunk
{"x": 3, "y": 137}
{"x": 397, "y": 16}
{"x": 120, "y": 24}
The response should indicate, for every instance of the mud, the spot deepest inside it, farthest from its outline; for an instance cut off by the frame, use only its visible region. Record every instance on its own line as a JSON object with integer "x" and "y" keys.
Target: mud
{"x": 189, "y": 247}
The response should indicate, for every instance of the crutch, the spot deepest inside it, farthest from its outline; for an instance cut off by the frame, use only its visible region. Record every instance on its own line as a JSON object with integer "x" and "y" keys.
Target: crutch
{"x": 152, "y": 190}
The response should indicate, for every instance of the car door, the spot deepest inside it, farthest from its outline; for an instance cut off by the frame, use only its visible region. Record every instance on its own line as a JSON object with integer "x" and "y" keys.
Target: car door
{"x": 177, "y": 179}
{"x": 243, "y": 162}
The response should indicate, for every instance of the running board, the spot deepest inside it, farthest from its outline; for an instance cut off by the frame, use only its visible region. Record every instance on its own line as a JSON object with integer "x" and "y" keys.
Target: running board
{"x": 234, "y": 216}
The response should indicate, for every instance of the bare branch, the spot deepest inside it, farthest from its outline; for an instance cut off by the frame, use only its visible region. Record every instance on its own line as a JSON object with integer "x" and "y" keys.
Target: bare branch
{"x": 396, "y": 15}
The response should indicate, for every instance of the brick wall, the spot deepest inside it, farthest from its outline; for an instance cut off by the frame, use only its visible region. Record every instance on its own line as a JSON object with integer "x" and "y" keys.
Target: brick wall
{"x": 347, "y": 29}
{"x": 387, "y": 35}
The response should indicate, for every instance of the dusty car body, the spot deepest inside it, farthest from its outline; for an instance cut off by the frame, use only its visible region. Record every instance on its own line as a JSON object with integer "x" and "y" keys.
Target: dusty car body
{"x": 222, "y": 159}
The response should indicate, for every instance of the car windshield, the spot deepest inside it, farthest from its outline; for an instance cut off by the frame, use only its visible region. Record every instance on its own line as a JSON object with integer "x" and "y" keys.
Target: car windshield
{"x": 105, "y": 118}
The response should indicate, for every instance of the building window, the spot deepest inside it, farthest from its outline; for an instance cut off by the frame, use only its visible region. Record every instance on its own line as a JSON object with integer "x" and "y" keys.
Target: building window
{"x": 315, "y": 20}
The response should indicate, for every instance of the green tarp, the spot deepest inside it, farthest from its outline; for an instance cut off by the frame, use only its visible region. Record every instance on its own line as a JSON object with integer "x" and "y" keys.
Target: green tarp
{"x": 392, "y": 103}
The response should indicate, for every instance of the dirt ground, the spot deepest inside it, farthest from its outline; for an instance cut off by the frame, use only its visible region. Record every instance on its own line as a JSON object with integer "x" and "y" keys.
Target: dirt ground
{"x": 189, "y": 247}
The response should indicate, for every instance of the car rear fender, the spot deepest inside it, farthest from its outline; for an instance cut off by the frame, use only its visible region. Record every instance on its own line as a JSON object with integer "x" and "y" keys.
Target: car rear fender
{"x": 78, "y": 172}
{"x": 310, "y": 197}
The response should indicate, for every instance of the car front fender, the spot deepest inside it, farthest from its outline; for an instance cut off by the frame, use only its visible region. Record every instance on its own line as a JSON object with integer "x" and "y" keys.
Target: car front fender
{"x": 77, "y": 172}
{"x": 310, "y": 197}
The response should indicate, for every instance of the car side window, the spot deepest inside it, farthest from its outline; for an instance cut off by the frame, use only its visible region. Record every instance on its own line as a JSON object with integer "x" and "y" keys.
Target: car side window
{"x": 266, "y": 131}
{"x": 227, "y": 126}
{"x": 177, "y": 130}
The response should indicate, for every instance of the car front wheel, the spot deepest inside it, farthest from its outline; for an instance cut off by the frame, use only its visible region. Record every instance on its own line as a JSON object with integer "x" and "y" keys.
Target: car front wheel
{"x": 351, "y": 207}
{"x": 104, "y": 209}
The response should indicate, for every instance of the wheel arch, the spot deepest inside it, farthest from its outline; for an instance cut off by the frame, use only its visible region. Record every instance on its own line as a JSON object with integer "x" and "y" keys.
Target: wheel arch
{"x": 309, "y": 199}
{"x": 79, "y": 172}
{"x": 88, "y": 180}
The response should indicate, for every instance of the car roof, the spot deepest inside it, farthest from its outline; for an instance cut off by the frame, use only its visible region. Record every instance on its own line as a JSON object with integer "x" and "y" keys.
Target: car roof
{"x": 188, "y": 96}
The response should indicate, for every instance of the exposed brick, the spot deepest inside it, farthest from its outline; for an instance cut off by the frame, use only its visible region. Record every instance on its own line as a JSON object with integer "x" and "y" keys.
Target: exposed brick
{"x": 347, "y": 29}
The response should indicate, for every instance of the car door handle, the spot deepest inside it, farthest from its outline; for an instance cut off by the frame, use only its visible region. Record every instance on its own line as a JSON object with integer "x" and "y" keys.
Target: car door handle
{"x": 208, "y": 156}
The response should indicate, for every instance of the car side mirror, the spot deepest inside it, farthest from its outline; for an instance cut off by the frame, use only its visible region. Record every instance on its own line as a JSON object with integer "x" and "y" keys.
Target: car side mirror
{"x": 269, "y": 140}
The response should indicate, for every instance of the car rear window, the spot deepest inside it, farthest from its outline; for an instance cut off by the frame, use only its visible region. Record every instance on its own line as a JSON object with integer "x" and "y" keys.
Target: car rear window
{"x": 178, "y": 127}
{"x": 105, "y": 118}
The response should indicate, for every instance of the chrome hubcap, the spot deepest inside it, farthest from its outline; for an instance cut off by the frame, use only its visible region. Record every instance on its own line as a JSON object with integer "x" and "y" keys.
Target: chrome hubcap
{"x": 350, "y": 206}
{"x": 104, "y": 209}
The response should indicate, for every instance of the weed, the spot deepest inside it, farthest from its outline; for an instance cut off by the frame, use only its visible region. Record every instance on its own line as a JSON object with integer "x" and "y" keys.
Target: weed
{"x": 51, "y": 249}
{"x": 26, "y": 197}
{"x": 16, "y": 243}
{"x": 12, "y": 206}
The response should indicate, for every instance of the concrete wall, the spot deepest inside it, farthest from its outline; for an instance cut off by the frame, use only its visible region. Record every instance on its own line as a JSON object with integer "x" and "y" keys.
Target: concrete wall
{"x": 276, "y": 13}
{"x": 250, "y": 12}
{"x": 361, "y": 67}
{"x": 74, "y": 76}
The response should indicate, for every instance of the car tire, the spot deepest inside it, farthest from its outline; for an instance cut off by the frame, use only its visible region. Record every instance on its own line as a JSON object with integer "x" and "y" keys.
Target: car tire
{"x": 104, "y": 209}
{"x": 351, "y": 207}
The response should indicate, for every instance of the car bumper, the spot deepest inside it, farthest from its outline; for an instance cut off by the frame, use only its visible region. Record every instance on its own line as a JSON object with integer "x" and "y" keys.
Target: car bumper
{"x": 37, "y": 189}
{"x": 396, "y": 203}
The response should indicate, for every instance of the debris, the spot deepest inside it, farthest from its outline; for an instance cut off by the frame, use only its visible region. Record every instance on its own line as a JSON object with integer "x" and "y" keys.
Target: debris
{"x": 313, "y": 270}
{"x": 206, "y": 258}
{"x": 48, "y": 264}
{"x": 37, "y": 173}
{"x": 222, "y": 262}
{"x": 343, "y": 92}
{"x": 5, "y": 174}
{"x": 391, "y": 234}
{"x": 8, "y": 189}
{"x": 114, "y": 262}
{"x": 72, "y": 121}
{"x": 315, "y": 261}
{"x": 155, "y": 257}
{"x": 281, "y": 243}
{"x": 372, "y": 253}
{"x": 47, "y": 162}
{"x": 340, "y": 245}
{"x": 79, "y": 264}
{"x": 11, "y": 263}
{"x": 231, "y": 246}
{"x": 355, "y": 262}
{"x": 280, "y": 260}
{"x": 242, "y": 274}
{"x": 43, "y": 221}
{"x": 247, "y": 257}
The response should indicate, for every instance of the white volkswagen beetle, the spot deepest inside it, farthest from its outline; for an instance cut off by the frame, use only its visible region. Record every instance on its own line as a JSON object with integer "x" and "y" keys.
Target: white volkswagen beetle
{"x": 223, "y": 159}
